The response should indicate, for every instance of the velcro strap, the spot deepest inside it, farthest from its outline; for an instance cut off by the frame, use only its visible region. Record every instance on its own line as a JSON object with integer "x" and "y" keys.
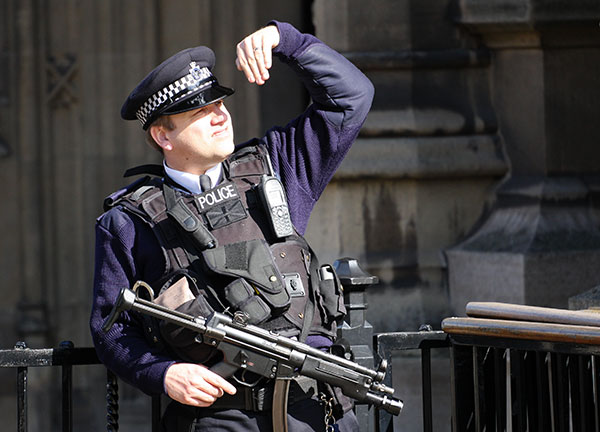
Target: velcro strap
{"x": 226, "y": 214}
{"x": 236, "y": 256}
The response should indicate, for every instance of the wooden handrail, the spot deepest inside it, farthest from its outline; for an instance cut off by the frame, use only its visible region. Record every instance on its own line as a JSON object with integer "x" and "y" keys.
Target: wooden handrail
{"x": 588, "y": 317}
{"x": 527, "y": 330}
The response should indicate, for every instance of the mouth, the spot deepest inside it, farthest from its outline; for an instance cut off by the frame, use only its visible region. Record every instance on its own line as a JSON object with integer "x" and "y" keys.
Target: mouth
{"x": 221, "y": 133}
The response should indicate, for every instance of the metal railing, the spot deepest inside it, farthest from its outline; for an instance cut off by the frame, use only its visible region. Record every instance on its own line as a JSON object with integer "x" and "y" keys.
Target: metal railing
{"x": 388, "y": 344}
{"x": 512, "y": 368}
{"x": 519, "y": 368}
{"x": 500, "y": 379}
{"x": 367, "y": 348}
{"x": 65, "y": 356}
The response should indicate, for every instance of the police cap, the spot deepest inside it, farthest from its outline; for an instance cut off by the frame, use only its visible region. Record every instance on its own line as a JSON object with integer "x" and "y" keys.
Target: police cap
{"x": 181, "y": 83}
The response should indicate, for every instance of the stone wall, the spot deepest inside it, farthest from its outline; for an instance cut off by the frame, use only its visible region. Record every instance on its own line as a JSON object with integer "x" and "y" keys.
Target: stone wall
{"x": 540, "y": 243}
{"x": 66, "y": 66}
{"x": 428, "y": 156}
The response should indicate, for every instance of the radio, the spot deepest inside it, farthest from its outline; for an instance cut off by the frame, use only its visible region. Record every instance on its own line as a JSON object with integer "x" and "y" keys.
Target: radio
{"x": 273, "y": 198}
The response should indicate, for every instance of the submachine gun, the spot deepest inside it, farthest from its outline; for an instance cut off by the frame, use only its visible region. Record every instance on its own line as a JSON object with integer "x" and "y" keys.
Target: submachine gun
{"x": 248, "y": 347}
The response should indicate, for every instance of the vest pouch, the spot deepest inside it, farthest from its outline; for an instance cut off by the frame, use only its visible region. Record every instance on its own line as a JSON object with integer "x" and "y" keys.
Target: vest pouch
{"x": 242, "y": 297}
{"x": 181, "y": 293}
{"x": 331, "y": 296}
{"x": 251, "y": 260}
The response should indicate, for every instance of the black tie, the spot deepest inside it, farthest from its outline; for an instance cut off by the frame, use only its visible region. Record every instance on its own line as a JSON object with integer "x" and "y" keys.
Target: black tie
{"x": 205, "y": 183}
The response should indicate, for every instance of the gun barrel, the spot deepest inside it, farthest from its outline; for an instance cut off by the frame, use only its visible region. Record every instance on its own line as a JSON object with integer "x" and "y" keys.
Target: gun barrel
{"x": 392, "y": 405}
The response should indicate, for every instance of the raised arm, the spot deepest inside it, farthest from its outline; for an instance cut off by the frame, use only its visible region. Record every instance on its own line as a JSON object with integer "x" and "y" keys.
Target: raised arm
{"x": 309, "y": 149}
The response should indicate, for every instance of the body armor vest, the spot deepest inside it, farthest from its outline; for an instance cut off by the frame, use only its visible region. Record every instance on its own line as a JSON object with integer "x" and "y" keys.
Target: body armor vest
{"x": 222, "y": 242}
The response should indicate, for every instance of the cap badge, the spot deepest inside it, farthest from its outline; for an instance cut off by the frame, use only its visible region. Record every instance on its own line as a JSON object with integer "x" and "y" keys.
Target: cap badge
{"x": 195, "y": 71}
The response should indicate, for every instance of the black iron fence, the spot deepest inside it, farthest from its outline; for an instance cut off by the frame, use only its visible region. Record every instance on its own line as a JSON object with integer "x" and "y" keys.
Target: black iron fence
{"x": 387, "y": 345}
{"x": 501, "y": 379}
{"x": 520, "y": 368}
{"x": 504, "y": 384}
{"x": 65, "y": 357}
{"x": 368, "y": 351}
{"x": 512, "y": 368}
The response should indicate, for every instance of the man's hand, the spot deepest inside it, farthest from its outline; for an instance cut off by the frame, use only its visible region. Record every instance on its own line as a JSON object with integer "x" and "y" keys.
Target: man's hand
{"x": 254, "y": 56}
{"x": 195, "y": 385}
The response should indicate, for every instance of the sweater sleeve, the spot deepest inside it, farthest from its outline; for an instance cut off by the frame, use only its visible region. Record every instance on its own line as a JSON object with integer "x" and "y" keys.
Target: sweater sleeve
{"x": 124, "y": 348}
{"x": 309, "y": 149}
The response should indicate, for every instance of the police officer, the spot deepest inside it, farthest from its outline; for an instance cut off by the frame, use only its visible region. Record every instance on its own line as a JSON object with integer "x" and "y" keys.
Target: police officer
{"x": 225, "y": 222}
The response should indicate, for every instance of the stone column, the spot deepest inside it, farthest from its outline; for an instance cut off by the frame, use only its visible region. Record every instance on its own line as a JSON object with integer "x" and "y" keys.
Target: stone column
{"x": 540, "y": 243}
{"x": 416, "y": 179}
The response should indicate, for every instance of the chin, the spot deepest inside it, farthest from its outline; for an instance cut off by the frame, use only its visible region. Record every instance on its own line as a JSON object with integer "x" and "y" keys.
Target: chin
{"x": 227, "y": 148}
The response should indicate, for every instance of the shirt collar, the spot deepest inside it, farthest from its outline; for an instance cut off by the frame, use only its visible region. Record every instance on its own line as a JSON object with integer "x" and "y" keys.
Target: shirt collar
{"x": 192, "y": 181}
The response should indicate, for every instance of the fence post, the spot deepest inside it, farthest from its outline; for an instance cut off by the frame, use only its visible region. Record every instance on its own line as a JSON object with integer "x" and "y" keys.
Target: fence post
{"x": 67, "y": 390}
{"x": 112, "y": 402}
{"x": 156, "y": 411}
{"x": 21, "y": 393}
{"x": 356, "y": 330}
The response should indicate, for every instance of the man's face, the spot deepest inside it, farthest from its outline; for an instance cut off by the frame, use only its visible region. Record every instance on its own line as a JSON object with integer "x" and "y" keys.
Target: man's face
{"x": 200, "y": 139}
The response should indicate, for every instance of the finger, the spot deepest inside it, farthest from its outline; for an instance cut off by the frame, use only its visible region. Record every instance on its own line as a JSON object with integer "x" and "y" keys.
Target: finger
{"x": 199, "y": 398}
{"x": 220, "y": 382}
{"x": 267, "y": 51}
{"x": 260, "y": 63}
{"x": 203, "y": 385}
{"x": 252, "y": 64}
{"x": 259, "y": 49}
{"x": 271, "y": 40}
{"x": 243, "y": 62}
{"x": 202, "y": 394}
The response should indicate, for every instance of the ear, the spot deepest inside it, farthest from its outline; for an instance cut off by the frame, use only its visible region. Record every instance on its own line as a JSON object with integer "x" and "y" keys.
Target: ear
{"x": 160, "y": 136}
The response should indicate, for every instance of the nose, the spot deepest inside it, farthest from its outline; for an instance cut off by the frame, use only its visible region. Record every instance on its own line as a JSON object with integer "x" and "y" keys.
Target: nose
{"x": 220, "y": 114}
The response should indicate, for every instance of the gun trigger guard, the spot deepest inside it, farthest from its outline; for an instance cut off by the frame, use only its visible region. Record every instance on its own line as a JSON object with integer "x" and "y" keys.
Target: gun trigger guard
{"x": 146, "y": 287}
{"x": 242, "y": 380}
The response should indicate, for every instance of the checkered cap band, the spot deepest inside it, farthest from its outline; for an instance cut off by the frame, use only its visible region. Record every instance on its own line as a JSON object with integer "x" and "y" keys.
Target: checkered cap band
{"x": 191, "y": 83}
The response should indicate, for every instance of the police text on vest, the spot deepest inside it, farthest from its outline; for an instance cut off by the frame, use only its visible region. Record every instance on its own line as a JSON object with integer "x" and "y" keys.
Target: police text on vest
{"x": 215, "y": 196}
